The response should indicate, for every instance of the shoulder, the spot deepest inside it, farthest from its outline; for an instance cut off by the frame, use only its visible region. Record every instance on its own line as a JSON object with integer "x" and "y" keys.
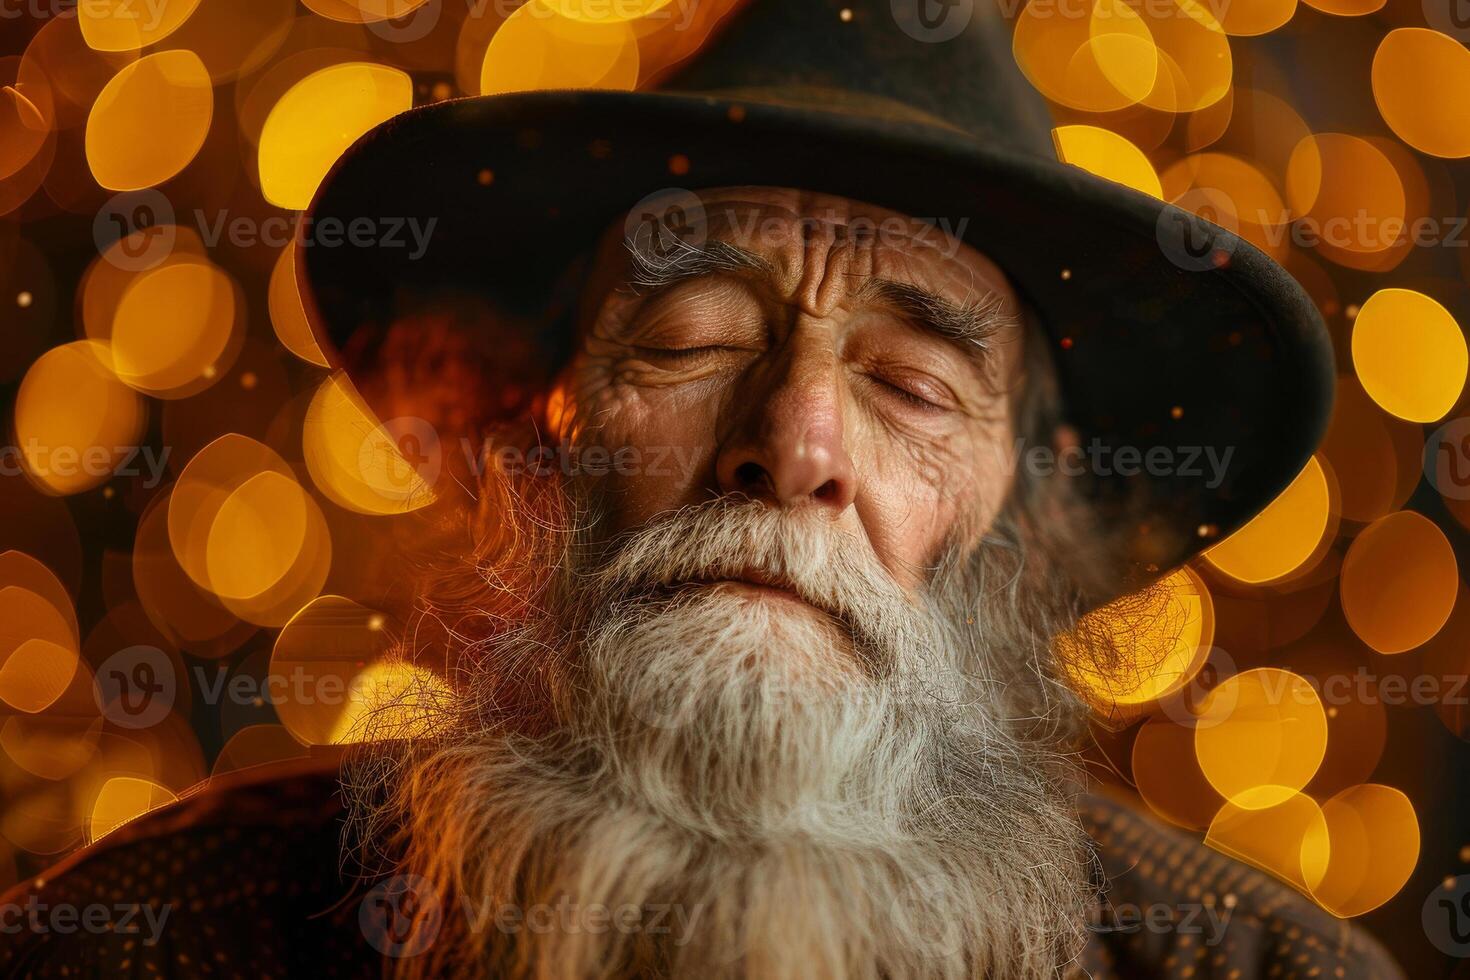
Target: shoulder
{"x": 242, "y": 878}
{"x": 1175, "y": 907}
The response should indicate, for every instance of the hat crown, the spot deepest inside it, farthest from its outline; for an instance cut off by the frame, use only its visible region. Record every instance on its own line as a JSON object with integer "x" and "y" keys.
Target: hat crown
{"x": 937, "y": 61}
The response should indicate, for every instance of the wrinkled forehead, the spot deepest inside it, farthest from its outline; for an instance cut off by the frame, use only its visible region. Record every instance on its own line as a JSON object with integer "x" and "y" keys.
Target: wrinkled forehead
{"x": 791, "y": 229}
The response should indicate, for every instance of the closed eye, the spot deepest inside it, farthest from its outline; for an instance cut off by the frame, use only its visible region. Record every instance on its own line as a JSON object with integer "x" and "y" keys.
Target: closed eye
{"x": 679, "y": 353}
{"x": 907, "y": 396}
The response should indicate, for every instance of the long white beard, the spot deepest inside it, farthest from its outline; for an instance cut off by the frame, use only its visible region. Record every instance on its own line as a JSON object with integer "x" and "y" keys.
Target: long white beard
{"x": 803, "y": 795}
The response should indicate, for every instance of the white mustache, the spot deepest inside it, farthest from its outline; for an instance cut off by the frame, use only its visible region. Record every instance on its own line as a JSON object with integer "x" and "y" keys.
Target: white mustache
{"x": 734, "y": 538}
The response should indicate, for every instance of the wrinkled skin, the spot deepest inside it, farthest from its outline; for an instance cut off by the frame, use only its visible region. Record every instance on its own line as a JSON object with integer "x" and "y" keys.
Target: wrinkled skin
{"x": 798, "y": 385}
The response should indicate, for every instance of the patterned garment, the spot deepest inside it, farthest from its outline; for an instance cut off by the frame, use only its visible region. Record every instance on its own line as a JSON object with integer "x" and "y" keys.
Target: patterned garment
{"x": 244, "y": 880}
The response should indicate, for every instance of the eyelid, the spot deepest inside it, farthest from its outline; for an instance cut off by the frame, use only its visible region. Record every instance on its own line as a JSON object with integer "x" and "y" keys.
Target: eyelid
{"x": 945, "y": 402}
{"x": 682, "y": 353}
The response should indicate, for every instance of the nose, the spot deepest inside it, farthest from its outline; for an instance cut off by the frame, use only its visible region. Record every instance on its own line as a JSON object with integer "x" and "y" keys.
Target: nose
{"x": 787, "y": 444}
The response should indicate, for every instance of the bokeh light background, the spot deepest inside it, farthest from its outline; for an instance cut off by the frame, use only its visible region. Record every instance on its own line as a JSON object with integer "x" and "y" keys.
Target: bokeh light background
{"x": 191, "y": 500}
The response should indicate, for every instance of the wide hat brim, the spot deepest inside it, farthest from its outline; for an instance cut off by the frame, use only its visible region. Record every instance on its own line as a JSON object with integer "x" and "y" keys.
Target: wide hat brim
{"x": 1197, "y": 372}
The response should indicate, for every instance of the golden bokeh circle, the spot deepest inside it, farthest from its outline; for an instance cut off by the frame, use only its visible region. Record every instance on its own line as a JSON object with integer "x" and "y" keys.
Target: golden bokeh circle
{"x": 1409, "y": 354}
{"x": 1399, "y": 581}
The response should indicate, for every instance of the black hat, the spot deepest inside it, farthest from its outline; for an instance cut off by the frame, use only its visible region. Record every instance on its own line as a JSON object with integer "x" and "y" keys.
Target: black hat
{"x": 1166, "y": 330}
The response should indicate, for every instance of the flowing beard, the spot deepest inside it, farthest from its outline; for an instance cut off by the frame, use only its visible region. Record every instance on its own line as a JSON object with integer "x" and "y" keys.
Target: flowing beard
{"x": 732, "y": 785}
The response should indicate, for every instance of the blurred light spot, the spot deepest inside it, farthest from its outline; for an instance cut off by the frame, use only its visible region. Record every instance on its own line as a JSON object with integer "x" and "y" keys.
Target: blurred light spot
{"x": 111, "y": 273}
{"x": 186, "y": 614}
{"x": 602, "y": 12}
{"x": 364, "y": 11}
{"x": 16, "y": 189}
{"x": 664, "y": 41}
{"x": 320, "y": 650}
{"x": 313, "y": 44}
{"x": 1194, "y": 62}
{"x": 1352, "y": 195}
{"x": 1282, "y": 538}
{"x": 257, "y": 745}
{"x": 51, "y": 745}
{"x": 1167, "y": 775}
{"x": 288, "y": 316}
{"x": 19, "y": 568}
{"x": 1409, "y": 354}
{"x": 62, "y": 75}
{"x": 1370, "y": 836}
{"x": 1161, "y": 637}
{"x": 235, "y": 39}
{"x": 42, "y": 818}
{"x": 534, "y": 51}
{"x": 1249, "y": 201}
{"x": 1288, "y": 839}
{"x": 1347, "y": 8}
{"x": 126, "y": 25}
{"x": 355, "y": 461}
{"x": 318, "y": 119}
{"x": 25, "y": 118}
{"x": 391, "y": 700}
{"x": 1375, "y": 456}
{"x": 149, "y": 121}
{"x": 175, "y": 327}
{"x": 1102, "y": 63}
{"x": 1260, "y": 737}
{"x": 74, "y": 420}
{"x": 256, "y": 536}
{"x": 1398, "y": 583}
{"x": 1204, "y": 126}
{"x": 1247, "y": 18}
{"x": 1105, "y": 153}
{"x": 1262, "y": 129}
{"x": 244, "y": 531}
{"x": 1419, "y": 77}
{"x": 38, "y": 649}
{"x": 124, "y": 798}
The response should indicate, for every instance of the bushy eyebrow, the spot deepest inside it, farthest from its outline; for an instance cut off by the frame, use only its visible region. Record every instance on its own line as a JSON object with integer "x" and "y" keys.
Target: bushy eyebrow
{"x": 651, "y": 270}
{"x": 974, "y": 323}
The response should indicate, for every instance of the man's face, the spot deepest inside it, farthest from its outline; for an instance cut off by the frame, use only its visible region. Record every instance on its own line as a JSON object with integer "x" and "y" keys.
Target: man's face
{"x": 813, "y": 353}
{"x": 769, "y": 661}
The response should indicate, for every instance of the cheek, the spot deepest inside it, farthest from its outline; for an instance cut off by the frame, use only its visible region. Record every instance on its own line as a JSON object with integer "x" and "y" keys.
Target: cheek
{"x": 657, "y": 442}
{"x": 917, "y": 498}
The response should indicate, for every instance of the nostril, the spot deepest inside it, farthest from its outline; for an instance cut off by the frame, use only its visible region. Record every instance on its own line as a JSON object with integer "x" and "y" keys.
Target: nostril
{"x": 751, "y": 475}
{"x": 826, "y": 491}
